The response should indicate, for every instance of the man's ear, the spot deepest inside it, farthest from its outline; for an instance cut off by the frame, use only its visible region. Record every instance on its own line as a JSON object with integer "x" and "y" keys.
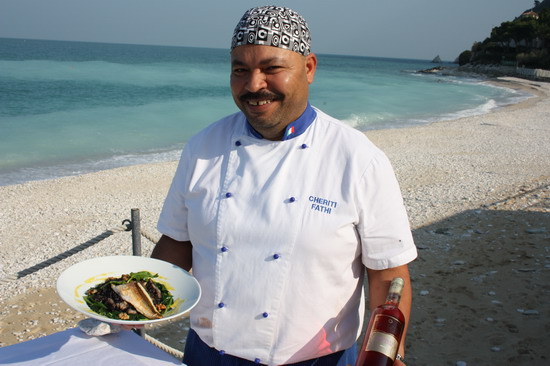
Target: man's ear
{"x": 311, "y": 67}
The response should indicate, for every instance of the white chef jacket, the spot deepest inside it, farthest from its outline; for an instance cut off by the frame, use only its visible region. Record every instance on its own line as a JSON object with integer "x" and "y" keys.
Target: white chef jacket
{"x": 280, "y": 233}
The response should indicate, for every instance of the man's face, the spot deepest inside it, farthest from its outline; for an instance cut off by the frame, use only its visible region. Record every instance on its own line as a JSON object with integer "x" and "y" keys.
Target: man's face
{"x": 270, "y": 86}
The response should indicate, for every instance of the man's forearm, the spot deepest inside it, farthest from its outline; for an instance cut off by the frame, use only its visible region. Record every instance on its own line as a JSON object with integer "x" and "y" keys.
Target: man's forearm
{"x": 175, "y": 252}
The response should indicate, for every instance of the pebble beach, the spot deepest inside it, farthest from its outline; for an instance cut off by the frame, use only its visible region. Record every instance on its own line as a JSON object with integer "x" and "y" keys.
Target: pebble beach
{"x": 477, "y": 190}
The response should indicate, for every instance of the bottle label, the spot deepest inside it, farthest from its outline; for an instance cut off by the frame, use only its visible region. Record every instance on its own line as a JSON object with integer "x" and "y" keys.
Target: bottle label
{"x": 381, "y": 339}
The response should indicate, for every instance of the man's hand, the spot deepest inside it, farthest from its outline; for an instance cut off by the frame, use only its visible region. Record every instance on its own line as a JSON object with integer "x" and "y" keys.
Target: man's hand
{"x": 95, "y": 327}
{"x": 398, "y": 363}
{"x": 395, "y": 363}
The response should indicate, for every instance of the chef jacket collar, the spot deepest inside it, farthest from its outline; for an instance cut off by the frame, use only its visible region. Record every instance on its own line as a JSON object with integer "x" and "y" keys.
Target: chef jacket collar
{"x": 294, "y": 129}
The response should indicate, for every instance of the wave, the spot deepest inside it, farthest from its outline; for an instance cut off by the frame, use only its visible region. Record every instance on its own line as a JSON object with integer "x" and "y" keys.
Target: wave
{"x": 485, "y": 108}
{"x": 149, "y": 75}
{"x": 365, "y": 122}
{"x": 22, "y": 175}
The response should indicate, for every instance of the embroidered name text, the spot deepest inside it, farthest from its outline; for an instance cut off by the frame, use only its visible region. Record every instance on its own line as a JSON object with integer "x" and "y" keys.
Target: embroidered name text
{"x": 322, "y": 205}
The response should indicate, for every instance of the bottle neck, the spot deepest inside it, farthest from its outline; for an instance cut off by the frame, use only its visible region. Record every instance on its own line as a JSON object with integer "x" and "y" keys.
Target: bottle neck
{"x": 393, "y": 298}
{"x": 394, "y": 292}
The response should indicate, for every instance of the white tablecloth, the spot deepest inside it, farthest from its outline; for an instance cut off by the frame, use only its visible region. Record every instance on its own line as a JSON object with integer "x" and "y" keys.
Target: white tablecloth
{"x": 74, "y": 348}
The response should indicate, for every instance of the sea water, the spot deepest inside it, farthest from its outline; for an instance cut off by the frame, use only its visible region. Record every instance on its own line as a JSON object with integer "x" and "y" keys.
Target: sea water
{"x": 73, "y": 107}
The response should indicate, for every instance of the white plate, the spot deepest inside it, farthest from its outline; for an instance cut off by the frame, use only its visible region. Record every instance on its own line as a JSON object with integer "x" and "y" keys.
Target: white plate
{"x": 77, "y": 279}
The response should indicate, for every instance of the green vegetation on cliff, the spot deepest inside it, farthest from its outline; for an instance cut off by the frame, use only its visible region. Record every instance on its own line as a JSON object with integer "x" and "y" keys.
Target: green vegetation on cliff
{"x": 524, "y": 41}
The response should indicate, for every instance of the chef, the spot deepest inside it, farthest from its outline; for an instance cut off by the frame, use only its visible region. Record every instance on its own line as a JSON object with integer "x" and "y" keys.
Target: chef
{"x": 280, "y": 210}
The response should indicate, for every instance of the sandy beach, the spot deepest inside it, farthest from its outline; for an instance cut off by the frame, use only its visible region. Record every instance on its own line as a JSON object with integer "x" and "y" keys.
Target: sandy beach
{"x": 477, "y": 191}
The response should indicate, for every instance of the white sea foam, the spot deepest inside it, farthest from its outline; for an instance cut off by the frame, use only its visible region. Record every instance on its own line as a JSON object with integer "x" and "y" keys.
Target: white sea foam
{"x": 25, "y": 174}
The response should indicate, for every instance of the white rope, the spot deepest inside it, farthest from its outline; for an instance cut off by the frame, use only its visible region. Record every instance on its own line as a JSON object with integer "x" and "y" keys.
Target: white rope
{"x": 148, "y": 236}
{"x": 166, "y": 348}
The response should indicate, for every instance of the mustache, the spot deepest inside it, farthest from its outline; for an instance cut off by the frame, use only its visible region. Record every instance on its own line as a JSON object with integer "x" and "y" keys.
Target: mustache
{"x": 262, "y": 95}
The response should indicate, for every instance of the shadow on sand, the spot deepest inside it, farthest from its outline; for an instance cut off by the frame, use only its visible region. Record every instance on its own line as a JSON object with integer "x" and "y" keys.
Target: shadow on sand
{"x": 481, "y": 288}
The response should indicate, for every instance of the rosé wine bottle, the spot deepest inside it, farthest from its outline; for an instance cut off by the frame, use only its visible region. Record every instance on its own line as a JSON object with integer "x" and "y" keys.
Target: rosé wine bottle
{"x": 384, "y": 331}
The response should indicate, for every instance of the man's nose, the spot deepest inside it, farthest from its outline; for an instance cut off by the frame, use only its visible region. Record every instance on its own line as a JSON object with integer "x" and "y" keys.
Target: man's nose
{"x": 256, "y": 81}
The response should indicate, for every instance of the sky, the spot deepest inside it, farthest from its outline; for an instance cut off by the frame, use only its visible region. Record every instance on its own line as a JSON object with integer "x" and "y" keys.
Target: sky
{"x": 416, "y": 29}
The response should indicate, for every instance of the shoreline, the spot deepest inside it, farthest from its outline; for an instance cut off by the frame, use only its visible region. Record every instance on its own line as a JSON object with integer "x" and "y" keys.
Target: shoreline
{"x": 22, "y": 175}
{"x": 455, "y": 177}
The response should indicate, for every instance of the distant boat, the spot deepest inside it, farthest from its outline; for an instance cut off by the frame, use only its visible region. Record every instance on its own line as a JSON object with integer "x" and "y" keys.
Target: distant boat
{"x": 437, "y": 60}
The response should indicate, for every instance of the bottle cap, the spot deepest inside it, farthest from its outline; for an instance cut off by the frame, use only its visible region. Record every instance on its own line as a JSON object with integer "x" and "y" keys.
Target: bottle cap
{"x": 396, "y": 285}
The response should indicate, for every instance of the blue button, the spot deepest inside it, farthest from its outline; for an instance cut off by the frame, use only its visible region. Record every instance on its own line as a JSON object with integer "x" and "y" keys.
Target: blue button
{"x": 304, "y": 146}
{"x": 292, "y": 199}
{"x": 222, "y": 352}
{"x": 265, "y": 315}
{"x": 257, "y": 360}
{"x": 221, "y": 305}
{"x": 238, "y": 143}
{"x": 228, "y": 194}
{"x": 276, "y": 256}
{"x": 224, "y": 249}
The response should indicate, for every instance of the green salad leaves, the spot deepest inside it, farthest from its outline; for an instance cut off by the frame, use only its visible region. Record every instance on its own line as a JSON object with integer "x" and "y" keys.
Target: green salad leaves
{"x": 105, "y": 299}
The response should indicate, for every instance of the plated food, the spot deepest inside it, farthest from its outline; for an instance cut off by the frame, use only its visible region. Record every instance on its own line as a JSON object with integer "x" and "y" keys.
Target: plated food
{"x": 142, "y": 290}
{"x": 132, "y": 296}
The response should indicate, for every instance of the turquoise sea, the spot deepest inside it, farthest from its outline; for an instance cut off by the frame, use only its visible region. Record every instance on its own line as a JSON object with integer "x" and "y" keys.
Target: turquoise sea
{"x": 73, "y": 107}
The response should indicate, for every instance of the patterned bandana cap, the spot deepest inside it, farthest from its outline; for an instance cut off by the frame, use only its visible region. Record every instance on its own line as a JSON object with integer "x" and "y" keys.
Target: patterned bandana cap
{"x": 273, "y": 26}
